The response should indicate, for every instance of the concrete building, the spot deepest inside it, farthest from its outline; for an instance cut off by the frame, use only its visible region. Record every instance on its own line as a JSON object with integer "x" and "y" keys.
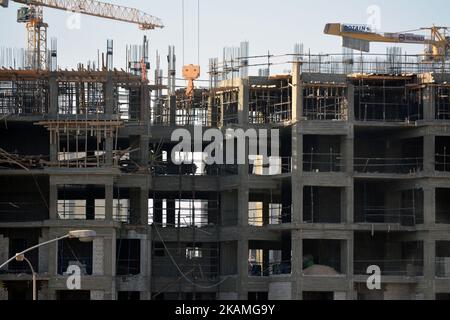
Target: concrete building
{"x": 361, "y": 179}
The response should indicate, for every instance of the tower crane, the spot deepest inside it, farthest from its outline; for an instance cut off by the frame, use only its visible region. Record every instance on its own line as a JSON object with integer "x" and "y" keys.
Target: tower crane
{"x": 359, "y": 37}
{"x": 32, "y": 16}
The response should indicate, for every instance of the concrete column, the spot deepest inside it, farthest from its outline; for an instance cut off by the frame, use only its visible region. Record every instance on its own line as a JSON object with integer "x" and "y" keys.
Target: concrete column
{"x": 144, "y": 115}
{"x": 429, "y": 267}
{"x": 43, "y": 252}
{"x": 144, "y": 151}
{"x": 297, "y": 93}
{"x": 173, "y": 110}
{"x": 4, "y": 248}
{"x": 351, "y": 102}
{"x": 212, "y": 111}
{"x": 297, "y": 172}
{"x": 243, "y": 101}
{"x": 42, "y": 294}
{"x": 347, "y": 205}
{"x": 296, "y": 264}
{"x": 109, "y": 253}
{"x": 98, "y": 256}
{"x": 109, "y": 95}
{"x": 144, "y": 206}
{"x": 109, "y": 149}
{"x": 429, "y": 154}
{"x": 53, "y": 201}
{"x": 242, "y": 286}
{"x": 53, "y": 96}
{"x": 429, "y": 104}
{"x": 3, "y": 292}
{"x": 109, "y": 198}
{"x": 429, "y": 199}
{"x": 53, "y": 257}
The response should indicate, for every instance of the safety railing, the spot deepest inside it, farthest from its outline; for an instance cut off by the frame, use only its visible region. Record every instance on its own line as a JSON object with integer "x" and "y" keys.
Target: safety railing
{"x": 275, "y": 166}
{"x": 406, "y": 267}
{"x": 273, "y": 269}
{"x": 401, "y": 216}
{"x": 388, "y": 165}
{"x": 322, "y": 162}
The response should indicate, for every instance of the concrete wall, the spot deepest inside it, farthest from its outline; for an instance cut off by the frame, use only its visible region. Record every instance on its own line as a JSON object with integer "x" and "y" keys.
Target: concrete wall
{"x": 280, "y": 291}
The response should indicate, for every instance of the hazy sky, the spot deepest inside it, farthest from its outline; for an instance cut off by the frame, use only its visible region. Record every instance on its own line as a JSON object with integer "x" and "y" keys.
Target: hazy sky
{"x": 268, "y": 25}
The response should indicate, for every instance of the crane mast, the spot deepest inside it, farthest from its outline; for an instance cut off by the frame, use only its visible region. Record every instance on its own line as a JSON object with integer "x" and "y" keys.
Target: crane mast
{"x": 32, "y": 16}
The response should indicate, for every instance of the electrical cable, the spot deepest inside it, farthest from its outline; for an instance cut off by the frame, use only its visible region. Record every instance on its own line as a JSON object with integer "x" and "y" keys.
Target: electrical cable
{"x": 179, "y": 269}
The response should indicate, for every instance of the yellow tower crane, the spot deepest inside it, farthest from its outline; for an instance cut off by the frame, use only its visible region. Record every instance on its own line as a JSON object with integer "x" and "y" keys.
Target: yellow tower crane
{"x": 32, "y": 15}
{"x": 359, "y": 37}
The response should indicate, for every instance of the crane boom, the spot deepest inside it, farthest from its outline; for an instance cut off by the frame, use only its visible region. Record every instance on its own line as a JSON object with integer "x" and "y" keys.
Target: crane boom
{"x": 101, "y": 9}
{"x": 359, "y": 37}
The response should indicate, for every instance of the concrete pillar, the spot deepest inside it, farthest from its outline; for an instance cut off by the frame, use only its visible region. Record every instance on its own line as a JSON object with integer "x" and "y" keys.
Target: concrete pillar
{"x": 109, "y": 149}
{"x": 144, "y": 206}
{"x": 109, "y": 95}
{"x": 144, "y": 154}
{"x": 429, "y": 104}
{"x": 109, "y": 198}
{"x": 42, "y": 294}
{"x": 4, "y": 248}
{"x": 351, "y": 103}
{"x": 429, "y": 154}
{"x": 144, "y": 115}
{"x": 3, "y": 292}
{"x": 53, "y": 201}
{"x": 297, "y": 172}
{"x": 212, "y": 111}
{"x": 98, "y": 256}
{"x": 109, "y": 253}
{"x": 173, "y": 110}
{"x": 297, "y": 93}
{"x": 296, "y": 265}
{"x": 53, "y": 95}
{"x": 242, "y": 285}
{"x": 43, "y": 252}
{"x": 243, "y": 101}
{"x": 429, "y": 267}
{"x": 429, "y": 199}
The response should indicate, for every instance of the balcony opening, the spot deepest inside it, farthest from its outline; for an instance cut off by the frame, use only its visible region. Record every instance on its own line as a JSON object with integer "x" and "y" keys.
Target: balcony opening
{"x": 443, "y": 259}
{"x": 442, "y": 98}
{"x": 72, "y": 252}
{"x": 377, "y": 153}
{"x": 24, "y": 198}
{"x": 183, "y": 213}
{"x": 270, "y": 208}
{"x": 442, "y": 206}
{"x": 443, "y": 154}
{"x": 198, "y": 261}
{"x": 322, "y": 154}
{"x": 388, "y": 203}
{"x": 324, "y": 258}
{"x": 323, "y": 204}
{"x": 128, "y": 257}
{"x": 387, "y": 100}
{"x": 394, "y": 255}
{"x": 81, "y": 202}
{"x": 266, "y": 258}
{"x": 323, "y": 101}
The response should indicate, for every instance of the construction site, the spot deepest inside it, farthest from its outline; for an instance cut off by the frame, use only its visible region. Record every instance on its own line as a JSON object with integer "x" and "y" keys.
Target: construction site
{"x": 361, "y": 177}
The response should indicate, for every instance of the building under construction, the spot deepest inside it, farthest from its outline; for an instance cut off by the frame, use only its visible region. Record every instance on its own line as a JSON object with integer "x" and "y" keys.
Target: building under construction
{"x": 360, "y": 178}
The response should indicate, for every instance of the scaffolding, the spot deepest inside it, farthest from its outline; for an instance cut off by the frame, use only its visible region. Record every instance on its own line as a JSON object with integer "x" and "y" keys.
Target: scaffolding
{"x": 325, "y": 101}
